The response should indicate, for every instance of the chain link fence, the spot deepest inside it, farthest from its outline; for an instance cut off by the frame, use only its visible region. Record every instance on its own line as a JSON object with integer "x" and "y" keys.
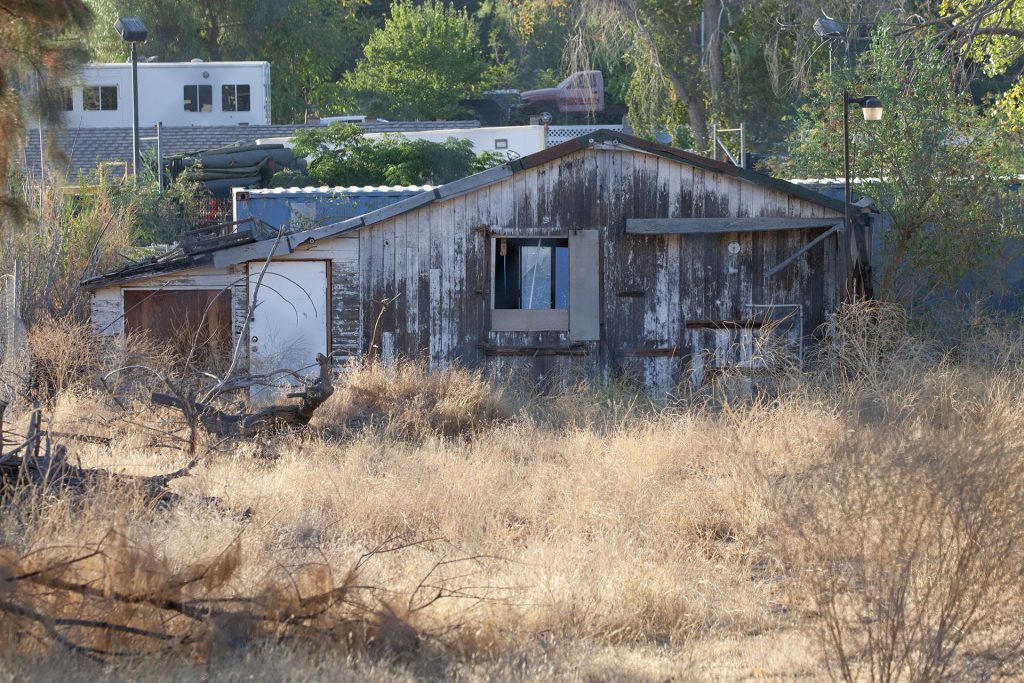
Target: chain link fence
{"x": 14, "y": 353}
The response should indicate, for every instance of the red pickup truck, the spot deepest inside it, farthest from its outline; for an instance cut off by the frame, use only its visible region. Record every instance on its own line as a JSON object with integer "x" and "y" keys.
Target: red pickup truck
{"x": 580, "y": 93}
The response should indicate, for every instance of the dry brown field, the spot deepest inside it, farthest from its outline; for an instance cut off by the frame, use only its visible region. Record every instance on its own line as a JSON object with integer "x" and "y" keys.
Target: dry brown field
{"x": 859, "y": 518}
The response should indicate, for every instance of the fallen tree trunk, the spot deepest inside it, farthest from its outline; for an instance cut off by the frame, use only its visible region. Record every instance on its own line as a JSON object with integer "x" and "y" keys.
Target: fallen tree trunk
{"x": 37, "y": 462}
{"x": 57, "y": 473}
{"x": 270, "y": 419}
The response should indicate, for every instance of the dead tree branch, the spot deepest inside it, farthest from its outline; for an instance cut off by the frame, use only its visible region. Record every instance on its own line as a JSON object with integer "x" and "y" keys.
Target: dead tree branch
{"x": 272, "y": 418}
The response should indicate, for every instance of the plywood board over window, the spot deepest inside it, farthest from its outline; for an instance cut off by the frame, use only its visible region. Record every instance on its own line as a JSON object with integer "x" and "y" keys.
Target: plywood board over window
{"x": 192, "y": 322}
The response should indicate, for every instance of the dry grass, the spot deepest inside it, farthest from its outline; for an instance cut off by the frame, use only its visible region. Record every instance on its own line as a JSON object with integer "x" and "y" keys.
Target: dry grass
{"x": 404, "y": 400}
{"x": 729, "y": 542}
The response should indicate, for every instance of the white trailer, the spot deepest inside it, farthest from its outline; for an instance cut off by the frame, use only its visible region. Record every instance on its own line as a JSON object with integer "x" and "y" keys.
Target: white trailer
{"x": 180, "y": 94}
{"x": 520, "y": 140}
{"x": 517, "y": 140}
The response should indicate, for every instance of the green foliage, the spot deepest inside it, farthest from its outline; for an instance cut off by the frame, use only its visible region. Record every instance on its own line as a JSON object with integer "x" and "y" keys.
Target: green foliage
{"x": 998, "y": 27}
{"x": 76, "y": 231}
{"x": 161, "y": 218}
{"x": 419, "y": 65}
{"x": 39, "y": 47}
{"x": 308, "y": 42}
{"x": 935, "y": 164}
{"x": 341, "y": 155}
{"x": 525, "y": 42}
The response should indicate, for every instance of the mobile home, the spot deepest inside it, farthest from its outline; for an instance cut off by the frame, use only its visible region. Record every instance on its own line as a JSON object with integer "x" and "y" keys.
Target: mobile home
{"x": 195, "y": 93}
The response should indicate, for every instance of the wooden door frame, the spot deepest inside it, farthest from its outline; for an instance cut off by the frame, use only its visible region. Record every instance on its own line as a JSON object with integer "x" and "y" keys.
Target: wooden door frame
{"x": 329, "y": 299}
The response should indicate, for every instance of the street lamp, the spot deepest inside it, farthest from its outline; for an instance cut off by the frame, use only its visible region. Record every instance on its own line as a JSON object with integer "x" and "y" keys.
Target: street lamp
{"x": 133, "y": 31}
{"x": 871, "y": 106}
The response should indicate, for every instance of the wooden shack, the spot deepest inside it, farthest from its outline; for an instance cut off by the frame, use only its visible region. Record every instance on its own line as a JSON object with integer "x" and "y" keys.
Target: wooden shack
{"x": 601, "y": 256}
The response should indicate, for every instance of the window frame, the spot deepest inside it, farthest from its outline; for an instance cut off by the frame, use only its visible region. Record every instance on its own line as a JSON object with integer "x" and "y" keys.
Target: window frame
{"x": 526, "y": 319}
{"x": 99, "y": 89}
{"x": 198, "y": 99}
{"x": 234, "y": 88}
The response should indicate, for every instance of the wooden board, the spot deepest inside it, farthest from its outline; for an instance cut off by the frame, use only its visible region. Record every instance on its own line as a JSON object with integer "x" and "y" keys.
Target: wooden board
{"x": 181, "y": 318}
{"x": 584, "y": 285}
{"x": 718, "y": 226}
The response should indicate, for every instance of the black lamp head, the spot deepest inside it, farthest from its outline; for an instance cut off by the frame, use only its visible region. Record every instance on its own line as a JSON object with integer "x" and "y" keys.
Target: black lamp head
{"x": 131, "y": 29}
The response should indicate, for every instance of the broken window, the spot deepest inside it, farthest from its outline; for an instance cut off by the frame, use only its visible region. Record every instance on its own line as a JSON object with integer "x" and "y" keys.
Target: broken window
{"x": 99, "y": 98}
{"x": 547, "y": 284}
{"x": 234, "y": 97}
{"x": 199, "y": 98}
{"x": 531, "y": 274}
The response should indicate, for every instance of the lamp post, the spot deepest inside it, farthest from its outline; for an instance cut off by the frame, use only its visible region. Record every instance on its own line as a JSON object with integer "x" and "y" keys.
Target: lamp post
{"x": 871, "y": 106}
{"x": 133, "y": 32}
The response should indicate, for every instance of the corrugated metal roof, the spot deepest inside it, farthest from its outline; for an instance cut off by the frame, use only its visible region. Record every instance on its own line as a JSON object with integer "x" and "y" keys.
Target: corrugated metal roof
{"x": 830, "y": 182}
{"x": 368, "y": 189}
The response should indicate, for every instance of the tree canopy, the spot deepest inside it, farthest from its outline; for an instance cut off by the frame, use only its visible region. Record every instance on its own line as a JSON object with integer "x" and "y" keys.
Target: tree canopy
{"x": 342, "y": 155}
{"x": 937, "y": 166}
{"x": 39, "y": 45}
{"x": 419, "y": 65}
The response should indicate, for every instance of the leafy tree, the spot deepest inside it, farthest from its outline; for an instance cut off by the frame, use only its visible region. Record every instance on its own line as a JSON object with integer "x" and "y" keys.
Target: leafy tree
{"x": 39, "y": 44}
{"x": 525, "y": 41}
{"x": 342, "y": 155}
{"x": 935, "y": 164}
{"x": 714, "y": 61}
{"x": 419, "y": 64}
{"x": 309, "y": 43}
{"x": 990, "y": 33}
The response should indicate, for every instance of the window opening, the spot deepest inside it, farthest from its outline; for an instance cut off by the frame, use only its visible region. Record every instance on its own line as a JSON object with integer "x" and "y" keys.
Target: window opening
{"x": 234, "y": 97}
{"x": 199, "y": 98}
{"x": 67, "y": 100}
{"x": 531, "y": 274}
{"x": 99, "y": 98}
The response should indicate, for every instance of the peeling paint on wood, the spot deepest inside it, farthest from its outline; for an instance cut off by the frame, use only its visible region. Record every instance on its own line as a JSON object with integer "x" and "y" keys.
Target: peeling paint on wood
{"x": 434, "y": 264}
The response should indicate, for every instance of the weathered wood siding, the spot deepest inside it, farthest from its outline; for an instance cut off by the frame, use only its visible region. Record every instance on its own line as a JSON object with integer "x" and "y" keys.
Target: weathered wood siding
{"x": 419, "y": 284}
{"x": 425, "y": 275}
{"x": 107, "y": 308}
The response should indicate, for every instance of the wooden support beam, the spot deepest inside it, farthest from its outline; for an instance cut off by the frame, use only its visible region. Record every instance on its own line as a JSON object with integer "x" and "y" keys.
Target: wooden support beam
{"x": 717, "y": 226}
{"x": 571, "y": 350}
{"x": 748, "y": 324}
{"x": 803, "y": 250}
{"x": 661, "y": 352}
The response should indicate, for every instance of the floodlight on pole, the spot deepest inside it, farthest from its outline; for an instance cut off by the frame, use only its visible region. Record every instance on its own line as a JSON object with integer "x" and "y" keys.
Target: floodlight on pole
{"x": 133, "y": 32}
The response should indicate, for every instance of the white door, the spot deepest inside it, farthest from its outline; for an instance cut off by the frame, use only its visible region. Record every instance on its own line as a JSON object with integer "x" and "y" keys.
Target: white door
{"x": 289, "y": 324}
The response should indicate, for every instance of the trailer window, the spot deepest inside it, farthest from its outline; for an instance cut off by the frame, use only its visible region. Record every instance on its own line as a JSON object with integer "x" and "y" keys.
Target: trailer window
{"x": 199, "y": 98}
{"x": 99, "y": 98}
{"x": 234, "y": 97}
